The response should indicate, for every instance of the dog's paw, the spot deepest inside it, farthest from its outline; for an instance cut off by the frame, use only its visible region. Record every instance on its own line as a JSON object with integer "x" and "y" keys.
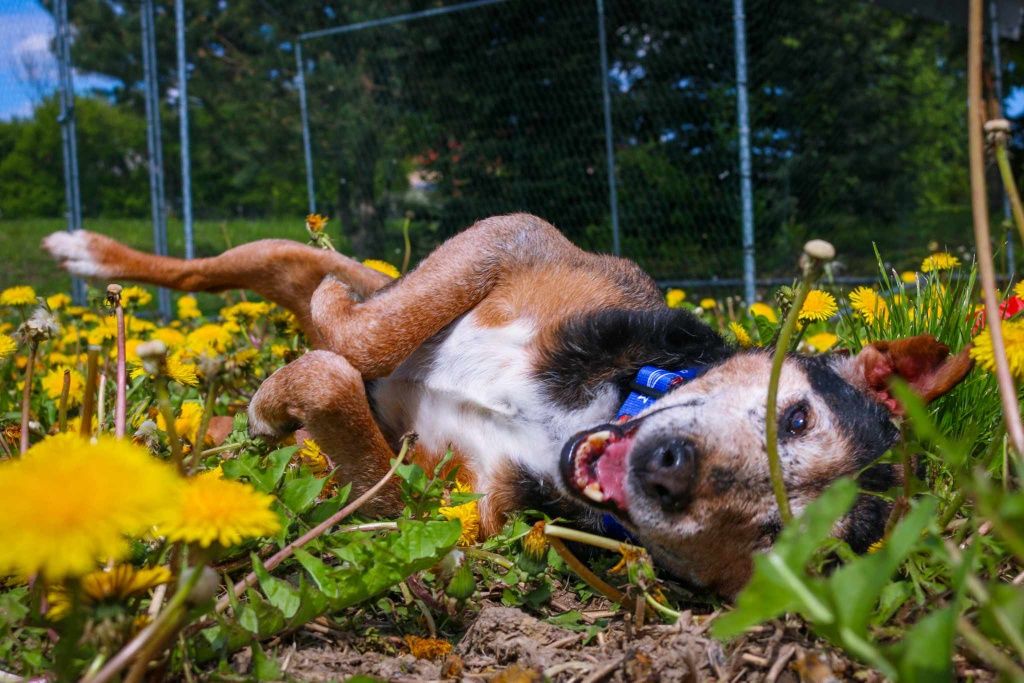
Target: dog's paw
{"x": 76, "y": 253}
{"x": 269, "y": 418}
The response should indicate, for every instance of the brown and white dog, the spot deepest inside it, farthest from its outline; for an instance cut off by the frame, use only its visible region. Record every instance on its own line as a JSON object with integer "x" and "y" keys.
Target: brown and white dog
{"x": 514, "y": 348}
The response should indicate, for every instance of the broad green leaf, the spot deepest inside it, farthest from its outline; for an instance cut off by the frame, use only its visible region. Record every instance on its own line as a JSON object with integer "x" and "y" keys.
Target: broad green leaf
{"x": 264, "y": 477}
{"x": 926, "y": 652}
{"x": 320, "y": 572}
{"x": 281, "y": 594}
{"x": 300, "y": 493}
{"x": 856, "y": 587}
{"x": 323, "y": 510}
{"x": 893, "y": 596}
{"x": 779, "y": 583}
{"x": 264, "y": 668}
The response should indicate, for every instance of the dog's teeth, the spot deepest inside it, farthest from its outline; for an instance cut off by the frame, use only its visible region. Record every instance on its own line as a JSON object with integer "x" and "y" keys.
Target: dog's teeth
{"x": 593, "y": 492}
{"x": 598, "y": 439}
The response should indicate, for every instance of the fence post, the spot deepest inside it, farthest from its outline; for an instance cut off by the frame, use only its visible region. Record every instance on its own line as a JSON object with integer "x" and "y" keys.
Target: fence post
{"x": 743, "y": 124}
{"x": 609, "y": 143}
{"x": 186, "y": 161}
{"x": 307, "y": 145}
{"x": 68, "y": 134}
{"x": 997, "y": 69}
{"x": 154, "y": 144}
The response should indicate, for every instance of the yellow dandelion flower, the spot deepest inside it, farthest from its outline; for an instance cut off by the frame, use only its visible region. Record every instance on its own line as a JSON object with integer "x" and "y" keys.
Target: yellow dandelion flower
{"x": 135, "y": 296}
{"x": 819, "y": 305}
{"x": 869, "y": 304}
{"x": 467, "y": 513}
{"x": 908, "y": 277}
{"x": 169, "y": 336}
{"x": 176, "y": 368}
{"x": 741, "y": 334}
{"x": 7, "y": 347}
{"x": 311, "y": 456}
{"x": 244, "y": 357}
{"x": 708, "y": 304}
{"x": 207, "y": 339}
{"x": 763, "y": 310}
{"x": 1013, "y": 339}
{"x": 316, "y": 223}
{"x": 188, "y": 308}
{"x": 535, "y": 543}
{"x": 53, "y": 384}
{"x": 1018, "y": 290}
{"x": 939, "y": 261}
{"x": 280, "y": 351}
{"x": 58, "y": 301}
{"x": 18, "y": 296}
{"x": 382, "y": 267}
{"x": 186, "y": 424}
{"x": 118, "y": 583}
{"x": 428, "y": 648}
{"x": 822, "y": 342}
{"x": 217, "y": 510}
{"x": 246, "y": 311}
{"x": 674, "y": 298}
{"x": 108, "y": 490}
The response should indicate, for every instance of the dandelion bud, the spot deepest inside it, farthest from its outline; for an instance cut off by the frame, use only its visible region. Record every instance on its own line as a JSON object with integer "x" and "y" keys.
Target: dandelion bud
{"x": 462, "y": 584}
{"x": 153, "y": 355}
{"x": 816, "y": 254}
{"x": 533, "y": 560}
{"x": 205, "y": 588}
{"x": 997, "y": 131}
{"x": 113, "y": 294}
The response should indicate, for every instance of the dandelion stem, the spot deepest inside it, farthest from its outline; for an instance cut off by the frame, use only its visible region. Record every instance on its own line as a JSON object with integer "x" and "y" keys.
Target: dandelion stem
{"x": 121, "y": 400}
{"x": 163, "y": 402}
{"x": 26, "y": 393}
{"x": 204, "y": 425}
{"x": 771, "y": 419}
{"x": 101, "y": 402}
{"x": 987, "y": 651}
{"x": 1009, "y": 183}
{"x": 982, "y": 240}
{"x": 661, "y": 609}
{"x": 489, "y": 556}
{"x": 590, "y": 539}
{"x": 408, "y": 243}
{"x": 89, "y": 397}
{"x": 138, "y": 645}
{"x": 320, "y": 529}
{"x": 62, "y": 410}
{"x": 593, "y": 580}
{"x": 220, "y": 449}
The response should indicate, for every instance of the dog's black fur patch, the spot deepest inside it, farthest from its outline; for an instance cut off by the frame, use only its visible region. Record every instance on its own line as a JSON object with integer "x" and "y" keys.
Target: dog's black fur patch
{"x": 612, "y": 345}
{"x": 866, "y": 424}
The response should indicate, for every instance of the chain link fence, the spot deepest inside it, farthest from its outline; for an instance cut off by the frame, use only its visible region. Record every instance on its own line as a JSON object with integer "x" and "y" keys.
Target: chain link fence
{"x": 617, "y": 121}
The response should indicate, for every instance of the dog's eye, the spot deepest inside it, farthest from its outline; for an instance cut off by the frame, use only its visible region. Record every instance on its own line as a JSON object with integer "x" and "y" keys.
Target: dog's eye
{"x": 796, "y": 419}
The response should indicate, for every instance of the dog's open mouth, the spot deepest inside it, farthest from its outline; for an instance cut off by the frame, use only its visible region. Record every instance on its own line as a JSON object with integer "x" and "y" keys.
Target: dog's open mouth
{"x": 594, "y": 466}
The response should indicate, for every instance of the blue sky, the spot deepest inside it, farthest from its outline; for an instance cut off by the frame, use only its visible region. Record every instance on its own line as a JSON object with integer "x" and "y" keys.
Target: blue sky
{"x": 28, "y": 70}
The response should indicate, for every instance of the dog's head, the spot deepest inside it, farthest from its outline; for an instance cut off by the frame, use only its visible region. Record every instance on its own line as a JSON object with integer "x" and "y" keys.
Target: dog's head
{"x": 689, "y": 476}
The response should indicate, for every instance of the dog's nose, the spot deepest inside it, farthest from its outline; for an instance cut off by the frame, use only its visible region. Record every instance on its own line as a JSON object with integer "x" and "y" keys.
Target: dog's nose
{"x": 668, "y": 473}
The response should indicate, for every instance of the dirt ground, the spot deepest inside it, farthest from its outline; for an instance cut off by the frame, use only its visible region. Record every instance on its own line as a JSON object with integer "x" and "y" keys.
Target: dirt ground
{"x": 507, "y": 645}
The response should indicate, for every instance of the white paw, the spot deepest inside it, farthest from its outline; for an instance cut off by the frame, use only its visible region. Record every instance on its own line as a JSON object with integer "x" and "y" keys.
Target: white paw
{"x": 72, "y": 252}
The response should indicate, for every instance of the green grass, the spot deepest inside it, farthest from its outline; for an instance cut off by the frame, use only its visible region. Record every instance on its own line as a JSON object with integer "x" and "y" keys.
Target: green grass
{"x": 25, "y": 262}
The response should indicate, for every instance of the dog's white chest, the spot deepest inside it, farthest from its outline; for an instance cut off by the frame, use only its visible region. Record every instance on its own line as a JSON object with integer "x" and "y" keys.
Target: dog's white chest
{"x": 475, "y": 390}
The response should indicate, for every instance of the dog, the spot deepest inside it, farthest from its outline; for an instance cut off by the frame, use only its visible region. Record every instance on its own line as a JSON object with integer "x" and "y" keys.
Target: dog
{"x": 513, "y": 349}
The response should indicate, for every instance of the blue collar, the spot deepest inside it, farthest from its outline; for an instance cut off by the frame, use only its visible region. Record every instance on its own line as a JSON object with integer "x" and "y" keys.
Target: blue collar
{"x": 650, "y": 384}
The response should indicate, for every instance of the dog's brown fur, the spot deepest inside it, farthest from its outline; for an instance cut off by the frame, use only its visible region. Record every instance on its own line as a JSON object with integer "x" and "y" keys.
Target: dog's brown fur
{"x": 512, "y": 303}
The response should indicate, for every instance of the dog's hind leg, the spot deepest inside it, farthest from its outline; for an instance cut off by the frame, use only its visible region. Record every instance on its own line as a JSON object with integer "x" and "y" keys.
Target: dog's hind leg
{"x": 321, "y": 392}
{"x": 282, "y": 271}
{"x": 377, "y": 334}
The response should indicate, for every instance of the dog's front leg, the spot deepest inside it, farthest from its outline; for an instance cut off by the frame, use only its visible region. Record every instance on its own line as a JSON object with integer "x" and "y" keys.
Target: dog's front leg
{"x": 377, "y": 334}
{"x": 323, "y": 393}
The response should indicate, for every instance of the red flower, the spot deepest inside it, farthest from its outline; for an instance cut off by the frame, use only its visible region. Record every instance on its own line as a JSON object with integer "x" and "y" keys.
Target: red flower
{"x": 1007, "y": 309}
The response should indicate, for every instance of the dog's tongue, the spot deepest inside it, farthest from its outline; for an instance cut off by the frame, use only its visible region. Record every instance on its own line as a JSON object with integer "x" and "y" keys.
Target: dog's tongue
{"x": 611, "y": 472}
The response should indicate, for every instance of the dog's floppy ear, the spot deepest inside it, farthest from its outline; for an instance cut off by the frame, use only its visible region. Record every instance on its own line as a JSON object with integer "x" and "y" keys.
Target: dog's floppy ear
{"x": 923, "y": 362}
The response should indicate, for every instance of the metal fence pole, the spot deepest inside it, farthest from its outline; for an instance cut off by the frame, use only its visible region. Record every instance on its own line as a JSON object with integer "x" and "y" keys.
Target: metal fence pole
{"x": 609, "y": 143}
{"x": 997, "y": 69}
{"x": 743, "y": 123}
{"x": 307, "y": 145}
{"x": 68, "y": 134}
{"x": 154, "y": 145}
{"x": 186, "y": 161}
